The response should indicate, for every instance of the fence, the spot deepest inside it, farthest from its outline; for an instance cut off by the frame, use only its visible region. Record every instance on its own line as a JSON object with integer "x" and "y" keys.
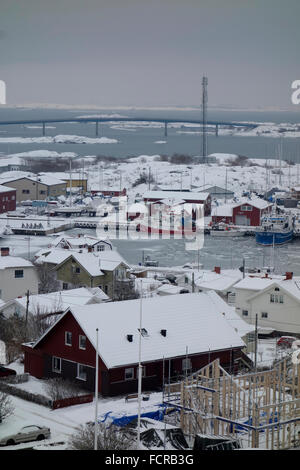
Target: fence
{"x": 72, "y": 401}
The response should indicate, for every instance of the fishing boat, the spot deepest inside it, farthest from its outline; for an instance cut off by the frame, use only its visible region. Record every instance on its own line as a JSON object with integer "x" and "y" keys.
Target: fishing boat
{"x": 275, "y": 230}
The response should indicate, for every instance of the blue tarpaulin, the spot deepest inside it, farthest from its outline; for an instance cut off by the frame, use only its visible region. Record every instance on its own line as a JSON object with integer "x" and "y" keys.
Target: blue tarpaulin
{"x": 124, "y": 420}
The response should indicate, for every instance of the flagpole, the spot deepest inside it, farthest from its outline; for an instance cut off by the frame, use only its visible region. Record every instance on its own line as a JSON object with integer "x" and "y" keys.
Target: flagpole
{"x": 140, "y": 371}
{"x": 96, "y": 396}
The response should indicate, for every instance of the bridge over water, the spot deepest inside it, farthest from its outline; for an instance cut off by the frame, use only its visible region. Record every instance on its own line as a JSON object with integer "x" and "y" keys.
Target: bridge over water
{"x": 100, "y": 120}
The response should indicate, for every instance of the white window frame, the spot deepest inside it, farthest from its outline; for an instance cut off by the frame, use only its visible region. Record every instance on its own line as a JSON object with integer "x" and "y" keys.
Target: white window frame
{"x": 79, "y": 341}
{"x": 53, "y": 364}
{"x": 20, "y": 271}
{"x": 78, "y": 373}
{"x": 132, "y": 373}
{"x": 244, "y": 313}
{"x": 66, "y": 336}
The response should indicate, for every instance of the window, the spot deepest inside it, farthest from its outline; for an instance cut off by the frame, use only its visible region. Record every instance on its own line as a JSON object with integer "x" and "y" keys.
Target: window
{"x": 25, "y": 191}
{"x": 276, "y": 289}
{"x": 186, "y": 364}
{"x": 68, "y": 338}
{"x": 56, "y": 364}
{"x": 42, "y": 192}
{"x": 246, "y": 208}
{"x": 272, "y": 298}
{"x": 245, "y": 313}
{"x": 281, "y": 299}
{"x": 82, "y": 342}
{"x": 106, "y": 289}
{"x": 81, "y": 372}
{"x": 100, "y": 248}
{"x": 19, "y": 273}
{"x": 65, "y": 286}
{"x": 77, "y": 270}
{"x": 129, "y": 373}
{"x": 264, "y": 314}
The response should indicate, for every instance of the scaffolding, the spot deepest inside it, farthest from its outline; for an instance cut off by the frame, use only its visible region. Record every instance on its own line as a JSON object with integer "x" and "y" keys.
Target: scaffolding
{"x": 260, "y": 409}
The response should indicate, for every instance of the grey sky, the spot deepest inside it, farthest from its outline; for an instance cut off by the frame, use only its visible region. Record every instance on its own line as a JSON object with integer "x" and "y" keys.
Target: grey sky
{"x": 150, "y": 52}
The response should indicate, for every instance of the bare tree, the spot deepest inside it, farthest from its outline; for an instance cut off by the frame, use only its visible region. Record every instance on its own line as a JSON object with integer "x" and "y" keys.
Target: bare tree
{"x": 109, "y": 438}
{"x": 47, "y": 279}
{"x": 6, "y": 407}
{"x": 58, "y": 388}
{"x": 124, "y": 289}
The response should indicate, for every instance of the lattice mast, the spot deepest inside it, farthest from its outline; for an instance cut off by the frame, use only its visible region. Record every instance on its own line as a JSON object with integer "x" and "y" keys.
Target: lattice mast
{"x": 204, "y": 117}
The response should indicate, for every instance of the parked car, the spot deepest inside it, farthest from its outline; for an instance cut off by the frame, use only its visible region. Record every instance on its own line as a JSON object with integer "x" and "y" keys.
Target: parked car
{"x": 26, "y": 434}
{"x": 5, "y": 371}
{"x": 286, "y": 341}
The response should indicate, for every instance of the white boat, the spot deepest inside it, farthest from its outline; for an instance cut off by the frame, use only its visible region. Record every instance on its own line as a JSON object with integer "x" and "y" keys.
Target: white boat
{"x": 224, "y": 230}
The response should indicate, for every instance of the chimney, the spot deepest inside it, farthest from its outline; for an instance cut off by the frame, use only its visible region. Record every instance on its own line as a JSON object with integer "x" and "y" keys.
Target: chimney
{"x": 217, "y": 269}
{"x": 4, "y": 251}
{"x": 288, "y": 276}
{"x": 266, "y": 275}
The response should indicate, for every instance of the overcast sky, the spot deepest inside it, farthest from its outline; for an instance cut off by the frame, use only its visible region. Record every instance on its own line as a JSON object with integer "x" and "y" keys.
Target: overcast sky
{"x": 150, "y": 52}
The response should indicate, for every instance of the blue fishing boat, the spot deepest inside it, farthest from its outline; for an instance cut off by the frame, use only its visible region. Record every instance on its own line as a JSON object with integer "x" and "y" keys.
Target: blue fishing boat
{"x": 275, "y": 230}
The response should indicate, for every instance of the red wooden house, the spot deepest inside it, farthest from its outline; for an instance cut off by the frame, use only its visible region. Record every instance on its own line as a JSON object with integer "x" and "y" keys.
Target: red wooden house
{"x": 7, "y": 199}
{"x": 180, "y": 334}
{"x": 246, "y": 212}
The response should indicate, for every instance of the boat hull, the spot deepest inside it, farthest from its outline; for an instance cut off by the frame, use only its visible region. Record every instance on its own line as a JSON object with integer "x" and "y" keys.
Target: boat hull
{"x": 227, "y": 233}
{"x": 276, "y": 238}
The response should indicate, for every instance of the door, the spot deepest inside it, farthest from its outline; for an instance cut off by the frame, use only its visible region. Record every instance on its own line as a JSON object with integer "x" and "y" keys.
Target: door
{"x": 242, "y": 220}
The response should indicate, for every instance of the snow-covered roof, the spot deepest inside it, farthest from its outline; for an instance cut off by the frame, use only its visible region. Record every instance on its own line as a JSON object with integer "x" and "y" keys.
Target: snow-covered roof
{"x": 257, "y": 284}
{"x": 97, "y": 262}
{"x": 255, "y": 202}
{"x": 5, "y": 189}
{"x": 43, "y": 179}
{"x": 168, "y": 289}
{"x": 219, "y": 282}
{"x": 254, "y": 283}
{"x": 233, "y": 318}
{"x": 224, "y": 210}
{"x": 193, "y": 322}
{"x": 79, "y": 241}
{"x": 51, "y": 255}
{"x": 14, "y": 262}
{"x": 65, "y": 176}
{"x": 59, "y": 301}
{"x": 180, "y": 195}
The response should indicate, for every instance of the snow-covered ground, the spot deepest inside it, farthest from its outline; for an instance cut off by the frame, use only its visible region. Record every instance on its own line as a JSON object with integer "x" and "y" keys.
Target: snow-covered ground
{"x": 63, "y": 422}
{"x": 253, "y": 174}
